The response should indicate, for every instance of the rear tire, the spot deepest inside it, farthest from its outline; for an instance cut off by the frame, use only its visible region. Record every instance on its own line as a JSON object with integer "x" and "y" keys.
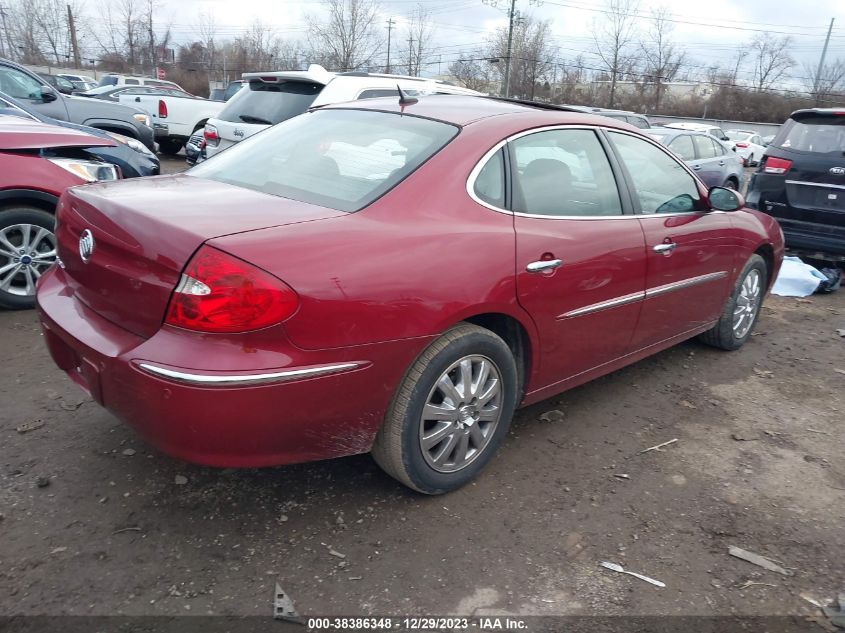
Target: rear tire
{"x": 171, "y": 148}
{"x": 730, "y": 183}
{"x": 750, "y": 161}
{"x": 451, "y": 411}
{"x": 29, "y": 229}
{"x": 742, "y": 308}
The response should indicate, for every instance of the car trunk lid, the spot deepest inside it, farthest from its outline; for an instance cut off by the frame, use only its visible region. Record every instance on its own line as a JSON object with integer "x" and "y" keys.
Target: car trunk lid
{"x": 143, "y": 233}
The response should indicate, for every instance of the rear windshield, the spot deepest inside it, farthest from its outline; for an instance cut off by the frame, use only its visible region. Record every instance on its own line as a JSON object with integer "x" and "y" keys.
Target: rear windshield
{"x": 270, "y": 103}
{"x": 108, "y": 80}
{"x": 738, "y": 136}
{"x": 822, "y": 134}
{"x": 341, "y": 159}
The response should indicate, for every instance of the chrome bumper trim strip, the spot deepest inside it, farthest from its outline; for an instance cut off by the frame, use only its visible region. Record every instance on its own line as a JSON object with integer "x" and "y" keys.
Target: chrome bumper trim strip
{"x": 226, "y": 380}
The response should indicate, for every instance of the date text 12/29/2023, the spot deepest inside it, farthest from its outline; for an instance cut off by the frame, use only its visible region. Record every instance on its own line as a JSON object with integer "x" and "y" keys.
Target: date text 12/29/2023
{"x": 422, "y": 623}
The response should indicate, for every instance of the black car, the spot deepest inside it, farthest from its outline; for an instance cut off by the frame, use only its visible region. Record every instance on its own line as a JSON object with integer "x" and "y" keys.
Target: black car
{"x": 801, "y": 182}
{"x": 133, "y": 158}
{"x": 59, "y": 83}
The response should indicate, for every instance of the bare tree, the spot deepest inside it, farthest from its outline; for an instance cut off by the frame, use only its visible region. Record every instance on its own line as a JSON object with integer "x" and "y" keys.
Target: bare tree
{"x": 613, "y": 35}
{"x": 661, "y": 58}
{"x": 350, "y": 38}
{"x": 532, "y": 55}
{"x": 25, "y": 33}
{"x": 771, "y": 60}
{"x": 206, "y": 30}
{"x": 420, "y": 32}
{"x": 472, "y": 70}
{"x": 830, "y": 82}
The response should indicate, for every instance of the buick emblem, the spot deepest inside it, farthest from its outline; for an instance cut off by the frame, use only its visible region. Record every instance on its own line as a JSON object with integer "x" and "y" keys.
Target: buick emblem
{"x": 238, "y": 132}
{"x": 837, "y": 171}
{"x": 86, "y": 245}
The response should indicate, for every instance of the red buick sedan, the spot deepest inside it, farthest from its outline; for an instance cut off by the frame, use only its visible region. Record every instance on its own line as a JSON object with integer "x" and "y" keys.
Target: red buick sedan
{"x": 393, "y": 278}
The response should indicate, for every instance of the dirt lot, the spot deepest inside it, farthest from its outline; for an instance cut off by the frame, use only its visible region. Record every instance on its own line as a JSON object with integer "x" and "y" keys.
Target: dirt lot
{"x": 115, "y": 529}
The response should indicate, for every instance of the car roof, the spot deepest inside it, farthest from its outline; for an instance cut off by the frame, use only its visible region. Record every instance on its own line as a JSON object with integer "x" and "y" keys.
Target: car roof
{"x": 690, "y": 126}
{"x": 465, "y": 109}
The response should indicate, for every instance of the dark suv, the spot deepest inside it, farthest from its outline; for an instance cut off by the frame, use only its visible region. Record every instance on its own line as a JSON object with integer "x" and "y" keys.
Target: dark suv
{"x": 801, "y": 181}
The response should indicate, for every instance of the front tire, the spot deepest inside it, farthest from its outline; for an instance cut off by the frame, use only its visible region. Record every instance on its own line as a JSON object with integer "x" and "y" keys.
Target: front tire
{"x": 27, "y": 250}
{"x": 451, "y": 411}
{"x": 742, "y": 308}
{"x": 171, "y": 148}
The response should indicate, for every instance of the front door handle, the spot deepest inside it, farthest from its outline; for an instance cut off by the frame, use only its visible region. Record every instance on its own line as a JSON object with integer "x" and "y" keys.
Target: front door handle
{"x": 721, "y": 163}
{"x": 696, "y": 167}
{"x": 664, "y": 248}
{"x": 543, "y": 265}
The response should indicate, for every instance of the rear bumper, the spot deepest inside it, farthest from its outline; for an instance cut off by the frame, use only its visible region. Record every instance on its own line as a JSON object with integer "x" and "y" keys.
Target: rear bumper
{"x": 307, "y": 406}
{"x": 807, "y": 236}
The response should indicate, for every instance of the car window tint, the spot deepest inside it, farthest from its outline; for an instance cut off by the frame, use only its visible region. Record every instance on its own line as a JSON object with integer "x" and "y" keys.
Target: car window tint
{"x": 490, "y": 183}
{"x": 18, "y": 85}
{"x": 563, "y": 173}
{"x": 661, "y": 184}
{"x": 682, "y": 146}
{"x": 273, "y": 102}
{"x": 704, "y": 146}
{"x": 341, "y": 159}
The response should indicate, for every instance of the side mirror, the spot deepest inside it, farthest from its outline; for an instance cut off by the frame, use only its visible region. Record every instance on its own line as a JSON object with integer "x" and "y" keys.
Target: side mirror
{"x": 724, "y": 199}
{"x": 725, "y": 138}
{"x": 137, "y": 99}
{"x": 48, "y": 94}
{"x": 734, "y": 148}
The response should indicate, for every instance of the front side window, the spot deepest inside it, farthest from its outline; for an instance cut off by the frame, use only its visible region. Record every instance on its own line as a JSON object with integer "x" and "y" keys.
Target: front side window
{"x": 661, "y": 184}
{"x": 19, "y": 85}
{"x": 682, "y": 146}
{"x": 563, "y": 173}
{"x": 720, "y": 149}
{"x": 704, "y": 146}
{"x": 341, "y": 159}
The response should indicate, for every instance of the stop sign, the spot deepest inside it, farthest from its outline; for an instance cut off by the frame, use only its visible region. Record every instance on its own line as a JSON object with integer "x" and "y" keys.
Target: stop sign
{"x": 160, "y": 73}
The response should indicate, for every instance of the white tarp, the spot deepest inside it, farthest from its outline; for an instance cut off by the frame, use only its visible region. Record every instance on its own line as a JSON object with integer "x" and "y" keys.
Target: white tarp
{"x": 797, "y": 279}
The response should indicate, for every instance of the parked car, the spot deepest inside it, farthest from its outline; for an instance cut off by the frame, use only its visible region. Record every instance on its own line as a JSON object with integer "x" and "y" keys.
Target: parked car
{"x": 749, "y": 145}
{"x": 195, "y": 148}
{"x": 79, "y": 79}
{"x": 713, "y": 161}
{"x": 25, "y": 86}
{"x": 801, "y": 181}
{"x": 403, "y": 275}
{"x": 271, "y": 97}
{"x": 638, "y": 120}
{"x": 129, "y": 154}
{"x": 713, "y": 130}
{"x": 224, "y": 94}
{"x": 113, "y": 93}
{"x": 37, "y": 163}
{"x": 59, "y": 83}
{"x": 113, "y": 79}
{"x": 175, "y": 118}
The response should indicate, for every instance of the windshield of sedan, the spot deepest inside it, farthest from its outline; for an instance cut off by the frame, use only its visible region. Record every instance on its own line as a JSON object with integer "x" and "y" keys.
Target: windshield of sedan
{"x": 341, "y": 159}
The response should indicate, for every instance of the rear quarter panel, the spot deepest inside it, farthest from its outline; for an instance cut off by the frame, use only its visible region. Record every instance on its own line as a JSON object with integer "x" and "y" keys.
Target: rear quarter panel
{"x": 757, "y": 231}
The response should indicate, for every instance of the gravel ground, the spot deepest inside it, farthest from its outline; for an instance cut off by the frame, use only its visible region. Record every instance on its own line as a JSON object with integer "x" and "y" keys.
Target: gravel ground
{"x": 96, "y": 522}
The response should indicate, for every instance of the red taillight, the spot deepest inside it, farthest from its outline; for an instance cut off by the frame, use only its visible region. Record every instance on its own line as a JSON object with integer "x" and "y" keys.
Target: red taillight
{"x": 210, "y": 135}
{"x": 776, "y": 165}
{"x": 221, "y": 293}
{"x": 742, "y": 144}
{"x": 162, "y": 109}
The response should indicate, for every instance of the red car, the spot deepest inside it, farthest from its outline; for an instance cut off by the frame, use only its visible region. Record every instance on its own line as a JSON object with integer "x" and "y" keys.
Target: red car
{"x": 37, "y": 163}
{"x": 395, "y": 278}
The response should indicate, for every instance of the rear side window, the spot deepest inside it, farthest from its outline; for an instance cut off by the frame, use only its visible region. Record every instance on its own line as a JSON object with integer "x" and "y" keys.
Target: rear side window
{"x": 341, "y": 159}
{"x": 819, "y": 134}
{"x": 270, "y": 103}
{"x": 704, "y": 146}
{"x": 490, "y": 183}
{"x": 682, "y": 146}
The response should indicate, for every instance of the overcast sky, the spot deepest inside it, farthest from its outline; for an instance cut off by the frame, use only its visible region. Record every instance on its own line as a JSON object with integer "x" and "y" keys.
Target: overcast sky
{"x": 711, "y": 32}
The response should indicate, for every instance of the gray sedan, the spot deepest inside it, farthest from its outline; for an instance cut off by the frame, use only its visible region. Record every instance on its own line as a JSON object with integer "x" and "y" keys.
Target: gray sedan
{"x": 716, "y": 163}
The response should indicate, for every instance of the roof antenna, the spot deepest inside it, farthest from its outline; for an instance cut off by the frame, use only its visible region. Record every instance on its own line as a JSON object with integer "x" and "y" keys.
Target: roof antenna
{"x": 404, "y": 99}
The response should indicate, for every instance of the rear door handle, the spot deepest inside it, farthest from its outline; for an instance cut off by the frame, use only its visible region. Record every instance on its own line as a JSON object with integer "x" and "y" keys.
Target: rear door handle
{"x": 543, "y": 265}
{"x": 696, "y": 167}
{"x": 721, "y": 163}
{"x": 666, "y": 248}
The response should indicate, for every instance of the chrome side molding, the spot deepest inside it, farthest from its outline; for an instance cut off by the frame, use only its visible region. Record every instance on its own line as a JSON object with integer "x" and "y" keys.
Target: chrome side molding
{"x": 228, "y": 380}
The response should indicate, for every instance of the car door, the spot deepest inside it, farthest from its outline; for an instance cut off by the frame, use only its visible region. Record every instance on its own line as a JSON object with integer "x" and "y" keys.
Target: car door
{"x": 32, "y": 91}
{"x": 580, "y": 260}
{"x": 690, "y": 249}
{"x": 706, "y": 165}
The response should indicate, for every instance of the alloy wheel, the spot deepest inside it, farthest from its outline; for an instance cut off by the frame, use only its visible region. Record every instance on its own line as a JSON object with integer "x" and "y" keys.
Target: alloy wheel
{"x": 747, "y": 304}
{"x": 26, "y": 252}
{"x": 461, "y": 414}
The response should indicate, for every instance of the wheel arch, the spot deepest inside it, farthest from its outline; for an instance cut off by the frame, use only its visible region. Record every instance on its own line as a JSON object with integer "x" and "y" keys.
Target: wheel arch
{"x": 31, "y": 197}
{"x": 199, "y": 126}
{"x": 116, "y": 127}
{"x": 767, "y": 252}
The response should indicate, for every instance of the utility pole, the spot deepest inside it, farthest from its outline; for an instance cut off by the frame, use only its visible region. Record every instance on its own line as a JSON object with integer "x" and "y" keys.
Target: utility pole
{"x": 511, "y": 20}
{"x": 8, "y": 39}
{"x": 821, "y": 64}
{"x": 77, "y": 61}
{"x": 390, "y": 24}
{"x": 151, "y": 33}
{"x": 411, "y": 55}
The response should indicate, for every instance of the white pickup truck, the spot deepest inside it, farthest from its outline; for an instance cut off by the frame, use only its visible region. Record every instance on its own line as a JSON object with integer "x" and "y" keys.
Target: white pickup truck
{"x": 174, "y": 118}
